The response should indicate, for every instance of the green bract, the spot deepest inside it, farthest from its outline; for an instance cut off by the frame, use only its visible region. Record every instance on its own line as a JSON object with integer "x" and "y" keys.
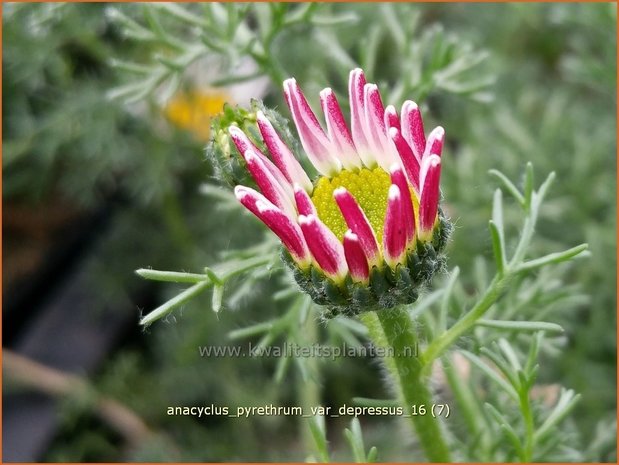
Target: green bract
{"x": 386, "y": 289}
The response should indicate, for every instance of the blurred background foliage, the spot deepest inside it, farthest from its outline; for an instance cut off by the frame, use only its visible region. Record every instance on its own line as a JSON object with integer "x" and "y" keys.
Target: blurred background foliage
{"x": 89, "y": 122}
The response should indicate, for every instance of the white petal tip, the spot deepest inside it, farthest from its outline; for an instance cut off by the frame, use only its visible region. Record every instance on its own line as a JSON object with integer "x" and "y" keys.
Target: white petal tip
{"x": 394, "y": 192}
{"x": 289, "y": 86}
{"x": 409, "y": 105}
{"x": 326, "y": 92}
{"x": 339, "y": 191}
{"x": 434, "y": 160}
{"x": 306, "y": 219}
{"x": 235, "y": 129}
{"x": 240, "y": 192}
{"x": 395, "y": 167}
{"x": 351, "y": 236}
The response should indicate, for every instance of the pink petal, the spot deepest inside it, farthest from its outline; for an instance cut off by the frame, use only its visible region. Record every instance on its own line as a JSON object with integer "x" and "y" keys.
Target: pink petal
{"x": 316, "y": 144}
{"x": 376, "y": 130}
{"x": 391, "y": 118}
{"x": 284, "y": 159}
{"x": 428, "y": 203}
{"x": 303, "y": 201}
{"x": 276, "y": 220}
{"x": 240, "y": 139}
{"x": 327, "y": 250}
{"x": 243, "y": 144}
{"x": 374, "y": 116}
{"x": 408, "y": 212}
{"x": 358, "y": 223}
{"x": 412, "y": 128}
{"x": 338, "y": 130}
{"x": 267, "y": 183}
{"x": 434, "y": 145}
{"x": 407, "y": 157}
{"x": 355, "y": 258}
{"x": 356, "y": 84}
{"x": 394, "y": 236}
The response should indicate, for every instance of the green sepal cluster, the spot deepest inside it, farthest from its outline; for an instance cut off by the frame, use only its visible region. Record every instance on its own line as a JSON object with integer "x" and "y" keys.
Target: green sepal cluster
{"x": 228, "y": 164}
{"x": 387, "y": 288}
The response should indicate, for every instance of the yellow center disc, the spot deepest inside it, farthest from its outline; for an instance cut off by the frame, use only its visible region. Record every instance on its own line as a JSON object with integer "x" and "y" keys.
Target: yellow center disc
{"x": 370, "y": 189}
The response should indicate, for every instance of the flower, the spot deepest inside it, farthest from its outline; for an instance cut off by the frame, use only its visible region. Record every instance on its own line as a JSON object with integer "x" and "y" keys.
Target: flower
{"x": 368, "y": 232}
{"x": 193, "y": 109}
{"x": 194, "y": 106}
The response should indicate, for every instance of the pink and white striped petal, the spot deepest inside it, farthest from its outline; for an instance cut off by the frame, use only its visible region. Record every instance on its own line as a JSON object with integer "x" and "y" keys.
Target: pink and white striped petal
{"x": 315, "y": 142}
{"x": 303, "y": 201}
{"x": 240, "y": 139}
{"x": 243, "y": 144}
{"x": 356, "y": 84}
{"x": 376, "y": 129}
{"x": 327, "y": 250}
{"x": 355, "y": 258}
{"x": 283, "y": 157}
{"x": 428, "y": 202}
{"x": 412, "y": 128}
{"x": 434, "y": 145}
{"x": 408, "y": 212}
{"x": 357, "y": 221}
{"x": 338, "y": 130}
{"x": 281, "y": 224}
{"x": 407, "y": 157}
{"x": 391, "y": 118}
{"x": 267, "y": 183}
{"x": 394, "y": 235}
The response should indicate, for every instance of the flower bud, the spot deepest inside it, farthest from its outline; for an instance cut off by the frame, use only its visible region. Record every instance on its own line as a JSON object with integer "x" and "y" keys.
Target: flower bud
{"x": 368, "y": 233}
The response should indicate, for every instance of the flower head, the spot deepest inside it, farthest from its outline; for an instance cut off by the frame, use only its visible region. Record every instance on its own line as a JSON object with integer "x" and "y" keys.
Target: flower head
{"x": 368, "y": 232}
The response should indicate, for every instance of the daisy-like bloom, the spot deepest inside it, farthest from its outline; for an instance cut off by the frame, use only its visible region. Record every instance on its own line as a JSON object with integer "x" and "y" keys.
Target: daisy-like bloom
{"x": 194, "y": 106}
{"x": 368, "y": 232}
{"x": 192, "y": 110}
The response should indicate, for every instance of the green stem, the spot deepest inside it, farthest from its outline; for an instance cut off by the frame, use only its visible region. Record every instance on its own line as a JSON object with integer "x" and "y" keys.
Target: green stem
{"x": 175, "y": 302}
{"x": 170, "y": 276}
{"x": 527, "y": 415}
{"x": 269, "y": 67}
{"x": 443, "y": 342}
{"x": 393, "y": 331}
{"x": 228, "y": 271}
{"x": 506, "y": 271}
{"x": 309, "y": 394}
{"x": 467, "y": 402}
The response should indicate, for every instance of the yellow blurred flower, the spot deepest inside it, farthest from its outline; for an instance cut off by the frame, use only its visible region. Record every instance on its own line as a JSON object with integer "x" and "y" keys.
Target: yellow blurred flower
{"x": 193, "y": 106}
{"x": 193, "y": 109}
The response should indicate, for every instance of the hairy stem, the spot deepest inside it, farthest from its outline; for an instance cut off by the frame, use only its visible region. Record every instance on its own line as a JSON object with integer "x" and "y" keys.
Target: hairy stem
{"x": 232, "y": 269}
{"x": 393, "y": 331}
